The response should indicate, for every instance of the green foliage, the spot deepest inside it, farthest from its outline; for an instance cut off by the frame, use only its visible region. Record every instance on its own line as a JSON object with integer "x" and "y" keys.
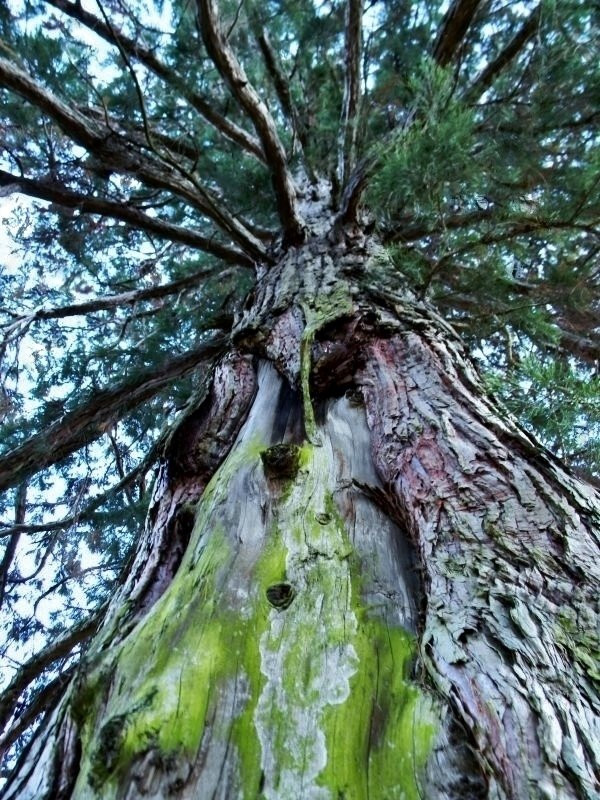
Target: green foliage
{"x": 558, "y": 401}
{"x": 426, "y": 165}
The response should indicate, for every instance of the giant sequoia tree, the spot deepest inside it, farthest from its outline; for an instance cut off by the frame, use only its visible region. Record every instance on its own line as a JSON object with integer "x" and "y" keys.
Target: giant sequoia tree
{"x": 298, "y": 285}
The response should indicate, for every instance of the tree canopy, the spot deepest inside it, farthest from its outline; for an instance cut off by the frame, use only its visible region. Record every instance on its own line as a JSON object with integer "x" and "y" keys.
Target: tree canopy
{"x": 154, "y": 157}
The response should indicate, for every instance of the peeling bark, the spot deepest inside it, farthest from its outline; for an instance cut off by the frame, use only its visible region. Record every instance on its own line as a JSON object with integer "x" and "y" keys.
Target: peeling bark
{"x": 359, "y": 578}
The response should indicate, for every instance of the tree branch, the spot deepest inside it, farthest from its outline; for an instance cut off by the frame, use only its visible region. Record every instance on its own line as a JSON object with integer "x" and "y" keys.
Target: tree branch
{"x": 453, "y": 30}
{"x": 282, "y": 87}
{"x": 146, "y": 57}
{"x": 41, "y": 661}
{"x": 174, "y": 145}
{"x": 53, "y": 192}
{"x": 96, "y": 502}
{"x": 117, "y": 300}
{"x": 91, "y": 419}
{"x": 407, "y": 232}
{"x": 43, "y": 701}
{"x": 569, "y": 343}
{"x": 234, "y": 75}
{"x": 487, "y": 76}
{"x": 73, "y": 122}
{"x": 116, "y": 154}
{"x": 11, "y": 547}
{"x": 351, "y": 101}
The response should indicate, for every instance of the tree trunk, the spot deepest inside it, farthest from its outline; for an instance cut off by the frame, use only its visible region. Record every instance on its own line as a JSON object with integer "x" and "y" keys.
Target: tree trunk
{"x": 359, "y": 579}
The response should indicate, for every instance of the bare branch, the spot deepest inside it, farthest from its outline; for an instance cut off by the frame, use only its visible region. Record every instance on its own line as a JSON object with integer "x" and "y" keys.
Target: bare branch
{"x": 487, "y": 76}
{"x": 235, "y": 76}
{"x": 453, "y": 30}
{"x": 48, "y": 189}
{"x": 352, "y": 84}
{"x": 92, "y": 418}
{"x": 136, "y": 50}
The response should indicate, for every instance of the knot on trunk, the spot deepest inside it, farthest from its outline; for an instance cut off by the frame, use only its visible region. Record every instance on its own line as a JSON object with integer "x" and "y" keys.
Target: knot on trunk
{"x": 280, "y": 595}
{"x": 281, "y": 460}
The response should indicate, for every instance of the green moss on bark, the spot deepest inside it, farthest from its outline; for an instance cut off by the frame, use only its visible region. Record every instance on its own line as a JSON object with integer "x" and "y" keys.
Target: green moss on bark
{"x": 318, "y": 692}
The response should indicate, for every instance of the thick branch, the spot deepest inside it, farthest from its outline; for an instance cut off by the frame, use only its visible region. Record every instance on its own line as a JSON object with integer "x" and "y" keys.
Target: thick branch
{"x": 53, "y": 192}
{"x": 351, "y": 101}
{"x": 234, "y": 75}
{"x": 454, "y": 28}
{"x": 487, "y": 76}
{"x": 91, "y": 419}
{"x": 73, "y": 122}
{"x": 165, "y": 72}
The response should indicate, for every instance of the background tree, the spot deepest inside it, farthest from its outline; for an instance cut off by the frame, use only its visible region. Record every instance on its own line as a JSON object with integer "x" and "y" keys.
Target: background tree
{"x": 264, "y": 243}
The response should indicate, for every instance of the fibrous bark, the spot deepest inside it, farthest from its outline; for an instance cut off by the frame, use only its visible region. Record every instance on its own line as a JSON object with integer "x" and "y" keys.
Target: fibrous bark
{"x": 359, "y": 578}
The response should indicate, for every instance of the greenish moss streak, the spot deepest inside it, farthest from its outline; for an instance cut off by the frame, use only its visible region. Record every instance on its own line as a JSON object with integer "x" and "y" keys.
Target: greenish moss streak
{"x": 326, "y": 702}
{"x": 166, "y": 672}
{"x": 337, "y": 714}
{"x": 323, "y": 310}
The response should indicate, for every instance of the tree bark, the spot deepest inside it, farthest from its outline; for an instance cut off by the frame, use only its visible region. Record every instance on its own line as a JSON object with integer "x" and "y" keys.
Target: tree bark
{"x": 359, "y": 577}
